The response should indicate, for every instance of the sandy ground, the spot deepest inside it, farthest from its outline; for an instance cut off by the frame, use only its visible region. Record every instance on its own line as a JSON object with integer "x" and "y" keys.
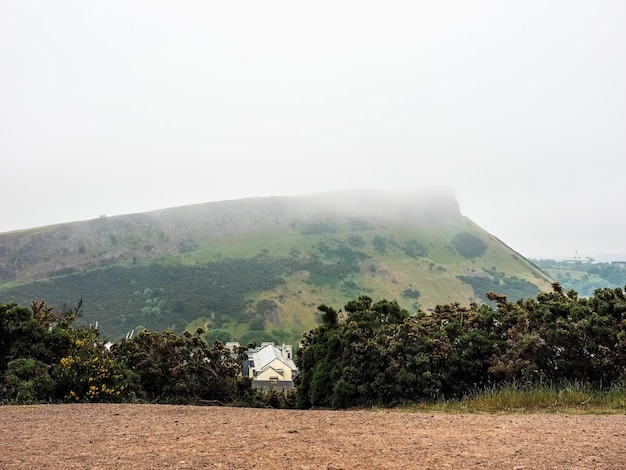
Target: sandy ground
{"x": 99, "y": 436}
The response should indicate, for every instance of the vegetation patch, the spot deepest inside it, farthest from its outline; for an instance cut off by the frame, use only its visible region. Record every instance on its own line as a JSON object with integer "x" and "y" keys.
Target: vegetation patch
{"x": 565, "y": 397}
{"x": 584, "y": 276}
{"x": 468, "y": 245}
{"x": 515, "y": 287}
{"x": 411, "y": 293}
{"x": 556, "y": 352}
{"x": 161, "y": 296}
{"x": 320, "y": 228}
{"x": 415, "y": 249}
{"x": 45, "y": 357}
{"x": 379, "y": 355}
{"x": 164, "y": 270}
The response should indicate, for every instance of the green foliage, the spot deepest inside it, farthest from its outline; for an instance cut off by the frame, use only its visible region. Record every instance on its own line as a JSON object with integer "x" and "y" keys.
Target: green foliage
{"x": 356, "y": 241}
{"x": 360, "y": 223}
{"x": 257, "y": 323}
{"x": 379, "y": 355}
{"x": 27, "y": 380}
{"x": 260, "y": 398}
{"x": 411, "y": 293}
{"x": 491, "y": 281}
{"x": 180, "y": 368}
{"x": 415, "y": 249}
{"x": 90, "y": 373}
{"x": 36, "y": 333}
{"x": 584, "y": 276}
{"x": 380, "y": 244}
{"x": 320, "y": 228}
{"x": 162, "y": 296}
{"x": 187, "y": 246}
{"x": 568, "y": 397}
{"x": 218, "y": 334}
{"x": 218, "y": 264}
{"x": 329, "y": 315}
{"x": 344, "y": 363}
{"x": 468, "y": 245}
{"x": 336, "y": 261}
{"x": 46, "y": 358}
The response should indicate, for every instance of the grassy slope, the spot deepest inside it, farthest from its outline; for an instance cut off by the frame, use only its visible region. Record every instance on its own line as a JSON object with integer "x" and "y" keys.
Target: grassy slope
{"x": 184, "y": 254}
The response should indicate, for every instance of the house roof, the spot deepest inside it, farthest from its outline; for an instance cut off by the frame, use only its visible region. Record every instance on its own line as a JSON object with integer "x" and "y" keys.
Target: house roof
{"x": 264, "y": 356}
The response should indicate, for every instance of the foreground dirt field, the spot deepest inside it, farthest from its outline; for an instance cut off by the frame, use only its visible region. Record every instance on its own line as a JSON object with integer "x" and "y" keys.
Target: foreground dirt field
{"x": 185, "y": 437}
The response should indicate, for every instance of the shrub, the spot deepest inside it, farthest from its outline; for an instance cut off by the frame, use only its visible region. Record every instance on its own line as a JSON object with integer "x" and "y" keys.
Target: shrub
{"x": 28, "y": 380}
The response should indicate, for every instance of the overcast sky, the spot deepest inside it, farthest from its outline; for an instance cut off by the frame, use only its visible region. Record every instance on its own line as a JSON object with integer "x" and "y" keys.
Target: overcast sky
{"x": 113, "y": 107}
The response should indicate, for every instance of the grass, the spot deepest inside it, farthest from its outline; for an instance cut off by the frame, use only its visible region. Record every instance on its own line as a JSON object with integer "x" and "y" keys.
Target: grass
{"x": 570, "y": 398}
{"x": 219, "y": 241}
{"x": 200, "y": 322}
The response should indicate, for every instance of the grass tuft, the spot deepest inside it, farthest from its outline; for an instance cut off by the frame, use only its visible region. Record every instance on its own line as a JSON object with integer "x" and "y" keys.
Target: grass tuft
{"x": 569, "y": 397}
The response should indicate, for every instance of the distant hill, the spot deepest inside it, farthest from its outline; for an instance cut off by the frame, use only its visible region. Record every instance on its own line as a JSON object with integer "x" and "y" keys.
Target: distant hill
{"x": 585, "y": 275}
{"x": 256, "y": 269}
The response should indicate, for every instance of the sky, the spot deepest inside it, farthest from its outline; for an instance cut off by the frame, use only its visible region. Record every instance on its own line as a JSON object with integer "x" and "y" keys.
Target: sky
{"x": 118, "y": 107}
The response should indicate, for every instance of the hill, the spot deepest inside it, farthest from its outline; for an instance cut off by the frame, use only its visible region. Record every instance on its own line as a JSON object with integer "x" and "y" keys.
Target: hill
{"x": 584, "y": 276}
{"x": 256, "y": 269}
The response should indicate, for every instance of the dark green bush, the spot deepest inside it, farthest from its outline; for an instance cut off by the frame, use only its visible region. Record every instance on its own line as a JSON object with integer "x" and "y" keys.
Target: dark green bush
{"x": 379, "y": 355}
{"x": 468, "y": 245}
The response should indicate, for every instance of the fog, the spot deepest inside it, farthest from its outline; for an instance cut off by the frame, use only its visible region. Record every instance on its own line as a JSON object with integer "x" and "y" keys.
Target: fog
{"x": 518, "y": 107}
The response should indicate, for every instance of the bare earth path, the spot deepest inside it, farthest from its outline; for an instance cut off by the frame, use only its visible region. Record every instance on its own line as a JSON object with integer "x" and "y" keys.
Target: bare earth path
{"x": 185, "y": 437}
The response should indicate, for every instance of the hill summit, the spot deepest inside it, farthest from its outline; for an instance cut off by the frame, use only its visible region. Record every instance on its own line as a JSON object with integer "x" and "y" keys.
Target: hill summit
{"x": 256, "y": 269}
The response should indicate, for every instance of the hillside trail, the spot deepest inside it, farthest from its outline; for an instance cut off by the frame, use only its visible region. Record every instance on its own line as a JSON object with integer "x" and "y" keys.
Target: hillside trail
{"x": 112, "y": 436}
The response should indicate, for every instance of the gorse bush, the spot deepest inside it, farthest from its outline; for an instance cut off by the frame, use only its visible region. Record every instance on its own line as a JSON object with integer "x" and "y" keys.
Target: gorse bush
{"x": 91, "y": 373}
{"x": 44, "y": 357}
{"x": 378, "y": 354}
{"x": 180, "y": 368}
{"x": 368, "y": 354}
{"x": 28, "y": 380}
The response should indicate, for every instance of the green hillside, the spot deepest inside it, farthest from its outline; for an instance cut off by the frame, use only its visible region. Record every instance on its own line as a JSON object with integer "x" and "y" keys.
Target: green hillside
{"x": 256, "y": 269}
{"x": 584, "y": 276}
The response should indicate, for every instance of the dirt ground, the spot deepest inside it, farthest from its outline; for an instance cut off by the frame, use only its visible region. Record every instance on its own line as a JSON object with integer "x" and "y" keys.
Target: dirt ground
{"x": 99, "y": 436}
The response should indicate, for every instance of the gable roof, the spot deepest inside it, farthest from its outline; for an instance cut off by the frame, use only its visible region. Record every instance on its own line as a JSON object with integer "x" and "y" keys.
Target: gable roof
{"x": 268, "y": 353}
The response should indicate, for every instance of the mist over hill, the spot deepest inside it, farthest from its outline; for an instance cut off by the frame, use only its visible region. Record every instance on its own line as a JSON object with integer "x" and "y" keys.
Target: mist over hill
{"x": 256, "y": 269}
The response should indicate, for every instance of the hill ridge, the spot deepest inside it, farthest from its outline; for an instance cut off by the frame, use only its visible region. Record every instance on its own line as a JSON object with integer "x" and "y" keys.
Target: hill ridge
{"x": 263, "y": 264}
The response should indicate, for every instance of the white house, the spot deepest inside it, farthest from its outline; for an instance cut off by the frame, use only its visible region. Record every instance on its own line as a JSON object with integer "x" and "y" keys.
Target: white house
{"x": 271, "y": 367}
